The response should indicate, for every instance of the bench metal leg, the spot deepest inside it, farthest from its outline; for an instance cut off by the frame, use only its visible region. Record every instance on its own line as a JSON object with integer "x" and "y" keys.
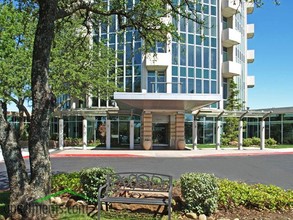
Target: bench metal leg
{"x": 99, "y": 210}
{"x": 169, "y": 212}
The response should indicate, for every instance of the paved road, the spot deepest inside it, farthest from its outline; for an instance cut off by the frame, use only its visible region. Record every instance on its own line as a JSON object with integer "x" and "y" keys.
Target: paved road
{"x": 269, "y": 169}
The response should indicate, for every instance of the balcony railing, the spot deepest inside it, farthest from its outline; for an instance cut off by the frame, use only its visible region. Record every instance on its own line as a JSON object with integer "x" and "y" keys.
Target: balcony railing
{"x": 231, "y": 37}
{"x": 161, "y": 87}
{"x": 250, "y": 30}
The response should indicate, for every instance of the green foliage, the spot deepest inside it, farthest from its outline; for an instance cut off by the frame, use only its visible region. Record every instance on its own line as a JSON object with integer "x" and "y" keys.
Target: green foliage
{"x": 92, "y": 179}
{"x": 16, "y": 41}
{"x": 78, "y": 66}
{"x": 199, "y": 191}
{"x": 234, "y": 194}
{"x": 255, "y": 141}
{"x": 63, "y": 181}
{"x": 271, "y": 142}
{"x": 225, "y": 141}
{"x": 230, "y": 129}
{"x": 247, "y": 142}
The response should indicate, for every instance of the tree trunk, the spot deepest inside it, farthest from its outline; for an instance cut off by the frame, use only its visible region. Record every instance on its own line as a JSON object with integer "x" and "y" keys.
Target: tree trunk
{"x": 25, "y": 190}
{"x": 43, "y": 100}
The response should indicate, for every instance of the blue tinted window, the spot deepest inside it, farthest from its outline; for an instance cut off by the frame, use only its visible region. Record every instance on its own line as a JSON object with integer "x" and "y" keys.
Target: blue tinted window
{"x": 174, "y": 53}
{"x": 190, "y": 55}
{"x": 190, "y": 72}
{"x": 213, "y": 10}
{"x": 213, "y": 42}
{"x": 190, "y": 26}
{"x": 214, "y": 59}
{"x": 174, "y": 85}
{"x": 213, "y": 87}
{"x": 206, "y": 86}
{"x": 174, "y": 71}
{"x": 198, "y": 57}
{"x": 182, "y": 24}
{"x": 198, "y": 73}
{"x": 190, "y": 86}
{"x": 213, "y": 74}
{"x": 206, "y": 74}
{"x": 190, "y": 38}
{"x": 206, "y": 58}
{"x": 183, "y": 85}
{"x": 182, "y": 54}
{"x": 198, "y": 86}
{"x": 198, "y": 40}
{"x": 182, "y": 71}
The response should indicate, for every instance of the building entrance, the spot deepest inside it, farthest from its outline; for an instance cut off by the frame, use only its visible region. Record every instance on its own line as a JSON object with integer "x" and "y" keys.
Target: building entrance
{"x": 160, "y": 134}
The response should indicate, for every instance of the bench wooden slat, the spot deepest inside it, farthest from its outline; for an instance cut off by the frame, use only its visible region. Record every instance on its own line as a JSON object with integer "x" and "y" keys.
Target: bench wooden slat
{"x": 150, "y": 201}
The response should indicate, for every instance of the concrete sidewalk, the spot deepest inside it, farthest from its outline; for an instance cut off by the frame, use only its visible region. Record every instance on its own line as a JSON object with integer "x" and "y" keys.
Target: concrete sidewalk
{"x": 187, "y": 153}
{"x": 78, "y": 152}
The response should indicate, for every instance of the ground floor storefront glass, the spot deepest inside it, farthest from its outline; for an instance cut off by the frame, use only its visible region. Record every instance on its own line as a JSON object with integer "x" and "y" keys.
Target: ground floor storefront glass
{"x": 277, "y": 126}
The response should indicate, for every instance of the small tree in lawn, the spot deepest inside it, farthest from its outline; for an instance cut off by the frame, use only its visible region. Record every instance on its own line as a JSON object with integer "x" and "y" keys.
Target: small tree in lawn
{"x": 230, "y": 131}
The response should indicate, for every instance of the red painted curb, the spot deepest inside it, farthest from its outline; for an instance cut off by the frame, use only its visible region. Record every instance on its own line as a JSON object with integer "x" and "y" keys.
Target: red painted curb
{"x": 243, "y": 154}
{"x": 95, "y": 155}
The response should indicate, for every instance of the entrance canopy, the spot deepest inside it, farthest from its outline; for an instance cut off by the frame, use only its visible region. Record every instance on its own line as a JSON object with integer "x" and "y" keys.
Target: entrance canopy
{"x": 161, "y": 101}
{"x": 217, "y": 113}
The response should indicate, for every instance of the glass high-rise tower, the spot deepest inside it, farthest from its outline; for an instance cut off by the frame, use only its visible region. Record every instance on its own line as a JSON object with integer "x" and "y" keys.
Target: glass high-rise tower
{"x": 162, "y": 89}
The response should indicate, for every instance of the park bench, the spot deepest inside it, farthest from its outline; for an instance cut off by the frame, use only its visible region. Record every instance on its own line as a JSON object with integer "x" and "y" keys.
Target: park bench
{"x": 153, "y": 188}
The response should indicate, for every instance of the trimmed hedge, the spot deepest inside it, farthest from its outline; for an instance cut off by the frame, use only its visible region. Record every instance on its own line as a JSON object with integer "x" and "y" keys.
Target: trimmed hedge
{"x": 63, "y": 181}
{"x": 199, "y": 191}
{"x": 91, "y": 179}
{"x": 259, "y": 196}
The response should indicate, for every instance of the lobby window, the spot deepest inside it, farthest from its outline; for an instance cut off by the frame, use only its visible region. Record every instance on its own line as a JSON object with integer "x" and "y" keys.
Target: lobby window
{"x": 156, "y": 82}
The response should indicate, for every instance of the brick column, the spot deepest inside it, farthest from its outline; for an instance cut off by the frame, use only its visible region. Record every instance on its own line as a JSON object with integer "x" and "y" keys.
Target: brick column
{"x": 179, "y": 129}
{"x": 147, "y": 129}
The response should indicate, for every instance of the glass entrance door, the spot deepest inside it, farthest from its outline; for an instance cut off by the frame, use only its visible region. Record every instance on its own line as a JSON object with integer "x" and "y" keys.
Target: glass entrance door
{"x": 160, "y": 134}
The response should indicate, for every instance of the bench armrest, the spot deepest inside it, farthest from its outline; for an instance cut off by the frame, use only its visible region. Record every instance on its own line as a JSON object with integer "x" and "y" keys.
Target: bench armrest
{"x": 101, "y": 190}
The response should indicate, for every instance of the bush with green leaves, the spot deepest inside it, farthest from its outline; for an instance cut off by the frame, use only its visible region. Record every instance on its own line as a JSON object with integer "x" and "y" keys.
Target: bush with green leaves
{"x": 200, "y": 192}
{"x": 92, "y": 179}
{"x": 247, "y": 142}
{"x": 259, "y": 196}
{"x": 225, "y": 141}
{"x": 255, "y": 141}
{"x": 271, "y": 142}
{"x": 63, "y": 181}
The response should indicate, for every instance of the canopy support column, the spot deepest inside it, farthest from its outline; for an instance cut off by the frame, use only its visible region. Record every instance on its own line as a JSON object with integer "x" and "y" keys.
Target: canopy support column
{"x": 108, "y": 134}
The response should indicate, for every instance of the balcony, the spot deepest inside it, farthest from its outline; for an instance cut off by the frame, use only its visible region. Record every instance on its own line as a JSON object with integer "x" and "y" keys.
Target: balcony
{"x": 231, "y": 37}
{"x": 249, "y": 7}
{"x": 230, "y": 69}
{"x": 230, "y": 7}
{"x": 250, "y": 81}
{"x": 250, "y": 30}
{"x": 158, "y": 61}
{"x": 250, "y": 56}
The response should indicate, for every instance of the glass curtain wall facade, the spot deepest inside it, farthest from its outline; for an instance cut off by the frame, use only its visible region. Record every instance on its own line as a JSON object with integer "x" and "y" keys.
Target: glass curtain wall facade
{"x": 195, "y": 66}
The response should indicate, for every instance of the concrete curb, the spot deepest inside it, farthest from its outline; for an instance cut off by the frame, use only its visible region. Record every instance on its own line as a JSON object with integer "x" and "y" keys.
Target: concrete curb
{"x": 78, "y": 152}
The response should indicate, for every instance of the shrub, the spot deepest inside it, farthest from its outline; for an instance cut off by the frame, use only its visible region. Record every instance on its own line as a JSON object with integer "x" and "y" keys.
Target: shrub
{"x": 255, "y": 141}
{"x": 199, "y": 191}
{"x": 247, "y": 142}
{"x": 225, "y": 141}
{"x": 271, "y": 142}
{"x": 91, "y": 179}
{"x": 259, "y": 196}
{"x": 63, "y": 181}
